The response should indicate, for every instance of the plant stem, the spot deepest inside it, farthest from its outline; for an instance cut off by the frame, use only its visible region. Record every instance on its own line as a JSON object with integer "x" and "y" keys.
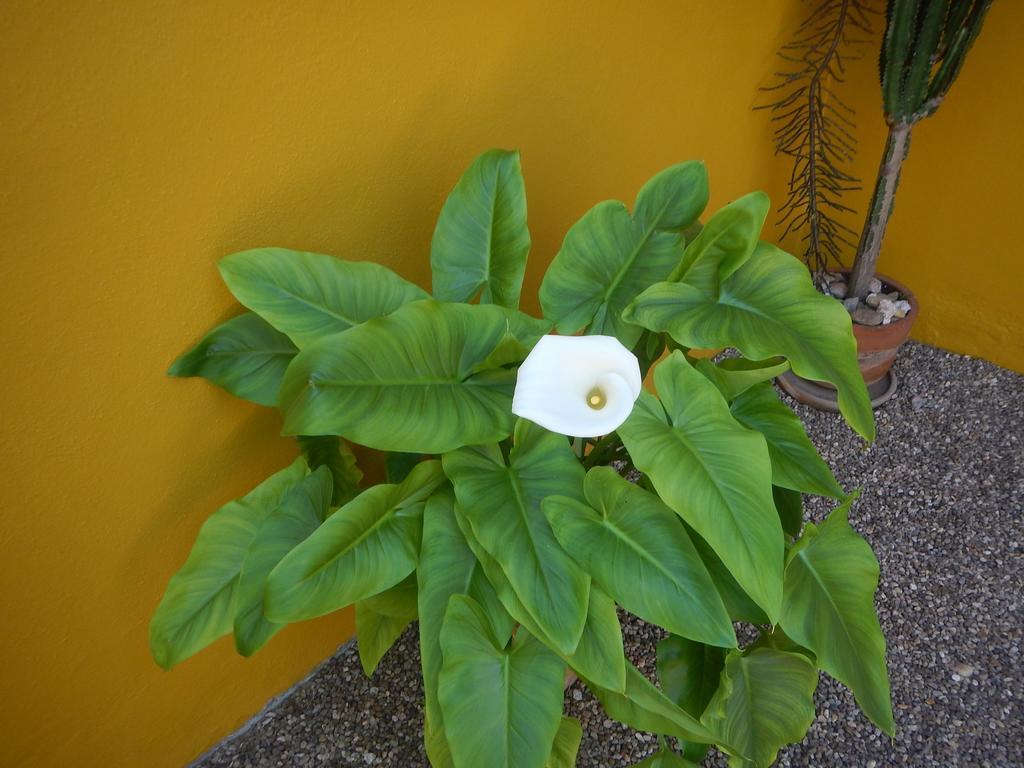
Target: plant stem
{"x": 604, "y": 450}
{"x": 896, "y": 147}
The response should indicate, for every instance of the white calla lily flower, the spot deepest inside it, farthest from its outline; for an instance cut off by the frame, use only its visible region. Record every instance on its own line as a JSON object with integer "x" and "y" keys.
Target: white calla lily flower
{"x": 581, "y": 386}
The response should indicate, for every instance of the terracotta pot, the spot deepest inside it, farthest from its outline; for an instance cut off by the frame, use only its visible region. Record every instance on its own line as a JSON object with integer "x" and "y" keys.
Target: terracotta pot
{"x": 877, "y": 345}
{"x": 876, "y": 350}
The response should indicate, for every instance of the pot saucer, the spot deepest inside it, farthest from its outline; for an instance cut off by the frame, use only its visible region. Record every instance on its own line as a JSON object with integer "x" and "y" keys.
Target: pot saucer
{"x": 824, "y": 397}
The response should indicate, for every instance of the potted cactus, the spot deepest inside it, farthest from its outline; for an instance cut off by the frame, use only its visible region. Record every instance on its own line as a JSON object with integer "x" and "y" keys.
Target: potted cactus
{"x": 923, "y": 51}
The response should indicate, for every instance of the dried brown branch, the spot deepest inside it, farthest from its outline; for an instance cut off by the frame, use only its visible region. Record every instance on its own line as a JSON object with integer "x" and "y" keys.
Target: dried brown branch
{"x": 814, "y": 129}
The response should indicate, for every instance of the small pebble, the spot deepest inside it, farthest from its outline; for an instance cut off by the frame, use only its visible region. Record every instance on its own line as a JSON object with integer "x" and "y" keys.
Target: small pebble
{"x": 867, "y": 316}
{"x": 838, "y": 289}
{"x": 964, "y": 670}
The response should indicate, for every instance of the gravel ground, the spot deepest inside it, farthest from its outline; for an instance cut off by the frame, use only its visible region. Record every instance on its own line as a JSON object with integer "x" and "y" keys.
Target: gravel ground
{"x": 942, "y": 507}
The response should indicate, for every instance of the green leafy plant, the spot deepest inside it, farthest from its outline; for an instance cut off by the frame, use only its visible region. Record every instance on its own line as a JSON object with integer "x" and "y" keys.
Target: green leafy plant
{"x": 513, "y": 544}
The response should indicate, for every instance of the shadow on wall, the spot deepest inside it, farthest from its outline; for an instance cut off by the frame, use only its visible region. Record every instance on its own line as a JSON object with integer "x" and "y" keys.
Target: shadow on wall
{"x": 197, "y": 450}
{"x": 377, "y": 206}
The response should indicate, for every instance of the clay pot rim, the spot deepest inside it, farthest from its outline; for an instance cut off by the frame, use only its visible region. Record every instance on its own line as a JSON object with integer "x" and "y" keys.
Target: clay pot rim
{"x": 907, "y": 294}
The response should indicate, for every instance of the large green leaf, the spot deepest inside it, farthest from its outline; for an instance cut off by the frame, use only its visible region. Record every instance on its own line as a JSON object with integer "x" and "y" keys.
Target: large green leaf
{"x": 737, "y": 602}
{"x": 502, "y": 504}
{"x": 795, "y": 461}
{"x": 244, "y": 355}
{"x": 333, "y": 453}
{"x": 725, "y": 242}
{"x": 635, "y": 547}
{"x": 481, "y": 239}
{"x": 301, "y": 511}
{"x": 765, "y": 700}
{"x": 609, "y": 257}
{"x": 447, "y": 567}
{"x": 713, "y": 472}
{"x": 421, "y": 380}
{"x": 673, "y": 198}
{"x": 767, "y": 307}
{"x": 828, "y": 607}
{"x": 735, "y": 375}
{"x": 199, "y": 603}
{"x": 599, "y": 655}
{"x": 790, "y": 506}
{"x": 501, "y": 706}
{"x": 367, "y": 546}
{"x": 398, "y": 601}
{"x": 778, "y": 640}
{"x": 439, "y": 754}
{"x": 567, "y": 744}
{"x": 381, "y": 619}
{"x": 309, "y": 295}
{"x": 665, "y": 758}
{"x": 689, "y": 673}
{"x": 643, "y": 707}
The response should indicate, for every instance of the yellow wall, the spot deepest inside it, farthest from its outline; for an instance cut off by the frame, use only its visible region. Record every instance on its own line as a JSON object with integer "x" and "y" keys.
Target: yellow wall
{"x": 139, "y": 142}
{"x": 952, "y": 238}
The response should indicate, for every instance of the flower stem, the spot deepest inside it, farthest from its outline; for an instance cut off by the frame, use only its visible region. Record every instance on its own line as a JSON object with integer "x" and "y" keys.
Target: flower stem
{"x": 579, "y": 444}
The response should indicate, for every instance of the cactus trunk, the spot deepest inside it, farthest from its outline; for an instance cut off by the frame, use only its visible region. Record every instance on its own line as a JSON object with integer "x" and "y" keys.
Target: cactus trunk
{"x": 923, "y": 50}
{"x": 896, "y": 147}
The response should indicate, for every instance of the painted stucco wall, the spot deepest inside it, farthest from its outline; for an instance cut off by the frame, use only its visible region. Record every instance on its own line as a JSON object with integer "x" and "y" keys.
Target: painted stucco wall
{"x": 142, "y": 141}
